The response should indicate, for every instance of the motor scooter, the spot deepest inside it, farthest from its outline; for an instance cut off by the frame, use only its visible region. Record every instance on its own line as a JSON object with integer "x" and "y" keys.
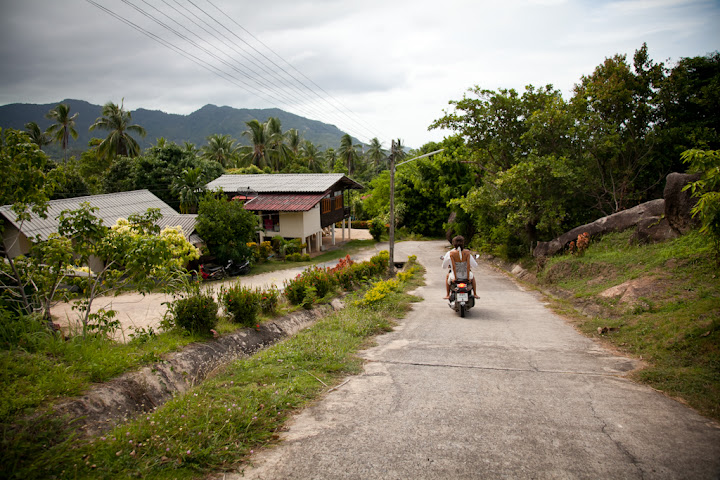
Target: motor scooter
{"x": 209, "y": 271}
{"x": 233, "y": 269}
{"x": 462, "y": 296}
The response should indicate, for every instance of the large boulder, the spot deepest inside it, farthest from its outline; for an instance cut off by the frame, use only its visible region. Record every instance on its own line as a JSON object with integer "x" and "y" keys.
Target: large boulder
{"x": 653, "y": 230}
{"x": 678, "y": 203}
{"x": 617, "y": 222}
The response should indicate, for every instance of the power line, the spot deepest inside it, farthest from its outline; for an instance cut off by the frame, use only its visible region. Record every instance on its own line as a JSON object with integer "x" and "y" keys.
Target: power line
{"x": 264, "y": 87}
{"x": 288, "y": 63}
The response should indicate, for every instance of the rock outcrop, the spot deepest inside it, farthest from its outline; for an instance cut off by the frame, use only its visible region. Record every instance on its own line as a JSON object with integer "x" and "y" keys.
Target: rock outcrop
{"x": 617, "y": 222}
{"x": 655, "y": 221}
{"x": 678, "y": 203}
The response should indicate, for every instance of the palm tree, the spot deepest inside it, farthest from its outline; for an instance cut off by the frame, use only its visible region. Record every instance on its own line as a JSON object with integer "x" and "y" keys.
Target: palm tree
{"x": 256, "y": 154}
{"x": 64, "y": 126}
{"x": 330, "y": 157}
{"x": 222, "y": 149}
{"x": 116, "y": 120}
{"x": 348, "y": 152}
{"x": 399, "y": 150}
{"x": 294, "y": 141}
{"x": 38, "y": 137}
{"x": 279, "y": 153}
{"x": 375, "y": 153}
{"x": 311, "y": 155}
{"x": 189, "y": 187}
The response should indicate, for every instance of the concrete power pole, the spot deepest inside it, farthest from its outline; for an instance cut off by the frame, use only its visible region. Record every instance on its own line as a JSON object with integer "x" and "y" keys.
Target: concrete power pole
{"x": 391, "y": 261}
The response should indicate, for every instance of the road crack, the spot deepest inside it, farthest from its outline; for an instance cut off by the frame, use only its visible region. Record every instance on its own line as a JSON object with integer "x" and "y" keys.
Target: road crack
{"x": 530, "y": 369}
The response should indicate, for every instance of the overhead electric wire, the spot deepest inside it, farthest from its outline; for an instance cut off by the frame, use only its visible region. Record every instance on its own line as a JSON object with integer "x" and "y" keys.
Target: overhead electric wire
{"x": 266, "y": 87}
{"x": 285, "y": 61}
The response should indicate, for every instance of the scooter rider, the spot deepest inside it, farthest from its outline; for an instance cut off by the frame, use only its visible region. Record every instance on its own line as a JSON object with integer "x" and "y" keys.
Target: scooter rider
{"x": 459, "y": 255}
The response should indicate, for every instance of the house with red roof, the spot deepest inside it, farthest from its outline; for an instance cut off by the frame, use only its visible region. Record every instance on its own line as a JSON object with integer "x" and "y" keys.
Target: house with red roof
{"x": 293, "y": 205}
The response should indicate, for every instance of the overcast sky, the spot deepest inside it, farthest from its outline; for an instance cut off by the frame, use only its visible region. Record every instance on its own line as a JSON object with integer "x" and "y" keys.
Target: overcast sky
{"x": 374, "y": 68}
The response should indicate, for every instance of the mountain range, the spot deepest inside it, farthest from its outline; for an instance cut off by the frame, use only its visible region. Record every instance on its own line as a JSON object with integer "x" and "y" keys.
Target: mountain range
{"x": 193, "y": 128}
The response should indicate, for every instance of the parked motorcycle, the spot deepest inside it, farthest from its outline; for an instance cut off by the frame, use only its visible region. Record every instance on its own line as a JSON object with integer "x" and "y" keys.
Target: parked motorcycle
{"x": 233, "y": 269}
{"x": 209, "y": 271}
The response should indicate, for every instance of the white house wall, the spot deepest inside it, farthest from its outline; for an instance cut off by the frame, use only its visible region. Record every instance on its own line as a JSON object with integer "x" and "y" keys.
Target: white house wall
{"x": 299, "y": 224}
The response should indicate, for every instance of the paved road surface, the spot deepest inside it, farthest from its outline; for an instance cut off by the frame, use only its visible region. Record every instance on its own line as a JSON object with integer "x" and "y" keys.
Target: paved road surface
{"x": 511, "y": 391}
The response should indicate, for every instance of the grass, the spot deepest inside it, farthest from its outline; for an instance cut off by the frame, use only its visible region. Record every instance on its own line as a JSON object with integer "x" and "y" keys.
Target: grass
{"x": 674, "y": 326}
{"x": 217, "y": 423}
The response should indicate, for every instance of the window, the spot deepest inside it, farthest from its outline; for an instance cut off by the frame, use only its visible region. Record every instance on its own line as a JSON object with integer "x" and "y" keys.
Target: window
{"x": 338, "y": 203}
{"x": 325, "y": 205}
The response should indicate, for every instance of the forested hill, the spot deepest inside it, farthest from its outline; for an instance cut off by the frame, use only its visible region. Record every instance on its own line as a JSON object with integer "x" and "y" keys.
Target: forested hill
{"x": 193, "y": 128}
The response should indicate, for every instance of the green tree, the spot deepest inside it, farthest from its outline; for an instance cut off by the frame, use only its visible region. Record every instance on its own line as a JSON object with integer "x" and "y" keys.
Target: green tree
{"x": 38, "y": 137}
{"x": 689, "y": 109}
{"x": 135, "y": 255}
{"x": 375, "y": 154}
{"x": 707, "y": 192}
{"x": 311, "y": 156}
{"x": 222, "y": 149}
{"x": 189, "y": 187}
{"x": 226, "y": 228}
{"x": 257, "y": 153}
{"x": 26, "y": 185}
{"x": 348, "y": 153}
{"x": 116, "y": 120}
{"x": 64, "y": 126}
{"x": 616, "y": 108}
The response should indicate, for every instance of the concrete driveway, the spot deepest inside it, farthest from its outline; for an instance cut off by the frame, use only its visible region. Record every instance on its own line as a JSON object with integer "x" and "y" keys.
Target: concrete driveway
{"x": 511, "y": 391}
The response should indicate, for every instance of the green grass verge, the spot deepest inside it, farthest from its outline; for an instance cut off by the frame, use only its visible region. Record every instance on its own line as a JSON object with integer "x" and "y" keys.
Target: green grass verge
{"x": 215, "y": 425}
{"x": 674, "y": 326}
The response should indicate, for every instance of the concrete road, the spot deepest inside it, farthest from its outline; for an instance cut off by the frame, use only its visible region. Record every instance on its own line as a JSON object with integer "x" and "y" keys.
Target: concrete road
{"x": 511, "y": 391}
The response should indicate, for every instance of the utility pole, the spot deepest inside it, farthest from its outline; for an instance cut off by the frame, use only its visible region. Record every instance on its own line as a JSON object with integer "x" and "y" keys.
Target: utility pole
{"x": 391, "y": 261}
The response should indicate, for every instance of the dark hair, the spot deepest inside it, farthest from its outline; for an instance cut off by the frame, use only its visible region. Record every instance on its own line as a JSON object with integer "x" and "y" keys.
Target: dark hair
{"x": 458, "y": 241}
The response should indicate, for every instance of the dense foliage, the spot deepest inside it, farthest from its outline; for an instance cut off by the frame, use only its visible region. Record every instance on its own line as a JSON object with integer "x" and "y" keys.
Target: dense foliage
{"x": 541, "y": 165}
{"x": 227, "y": 228}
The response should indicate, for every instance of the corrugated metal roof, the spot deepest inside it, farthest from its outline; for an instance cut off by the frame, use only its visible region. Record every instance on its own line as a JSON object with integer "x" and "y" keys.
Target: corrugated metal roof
{"x": 111, "y": 206}
{"x": 282, "y": 183}
{"x": 286, "y": 202}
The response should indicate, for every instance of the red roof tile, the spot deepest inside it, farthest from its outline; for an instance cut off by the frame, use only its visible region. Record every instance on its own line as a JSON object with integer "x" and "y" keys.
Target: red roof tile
{"x": 283, "y": 202}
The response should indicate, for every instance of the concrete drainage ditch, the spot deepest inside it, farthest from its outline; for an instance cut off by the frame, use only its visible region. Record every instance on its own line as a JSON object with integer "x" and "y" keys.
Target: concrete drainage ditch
{"x": 135, "y": 393}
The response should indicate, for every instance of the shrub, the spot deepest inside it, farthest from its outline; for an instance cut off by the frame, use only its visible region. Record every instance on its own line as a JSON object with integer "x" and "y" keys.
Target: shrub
{"x": 242, "y": 304}
{"x": 197, "y": 313}
{"x": 319, "y": 279}
{"x": 377, "y": 228}
{"x": 265, "y": 250}
{"x": 268, "y": 300}
{"x": 297, "y": 257}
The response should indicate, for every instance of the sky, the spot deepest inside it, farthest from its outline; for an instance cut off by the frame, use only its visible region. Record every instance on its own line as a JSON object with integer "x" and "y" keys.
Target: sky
{"x": 373, "y": 68}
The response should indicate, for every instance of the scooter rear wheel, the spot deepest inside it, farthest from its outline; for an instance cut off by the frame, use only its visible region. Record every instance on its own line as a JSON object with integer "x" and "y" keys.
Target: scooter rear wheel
{"x": 462, "y": 311}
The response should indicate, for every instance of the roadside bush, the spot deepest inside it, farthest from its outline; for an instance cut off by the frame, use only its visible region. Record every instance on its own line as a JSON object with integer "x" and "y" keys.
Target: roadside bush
{"x": 241, "y": 304}
{"x": 377, "y": 228}
{"x": 297, "y": 257}
{"x": 315, "y": 278}
{"x": 197, "y": 313}
{"x": 269, "y": 300}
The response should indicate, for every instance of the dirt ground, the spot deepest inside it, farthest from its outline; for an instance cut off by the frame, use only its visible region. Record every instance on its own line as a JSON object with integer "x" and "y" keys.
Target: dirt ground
{"x": 136, "y": 311}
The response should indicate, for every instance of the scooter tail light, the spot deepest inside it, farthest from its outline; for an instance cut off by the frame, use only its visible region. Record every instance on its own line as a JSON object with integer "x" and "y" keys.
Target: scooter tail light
{"x": 462, "y": 285}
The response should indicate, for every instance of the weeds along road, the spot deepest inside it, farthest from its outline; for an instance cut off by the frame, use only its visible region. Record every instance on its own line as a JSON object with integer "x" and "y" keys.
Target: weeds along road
{"x": 510, "y": 391}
